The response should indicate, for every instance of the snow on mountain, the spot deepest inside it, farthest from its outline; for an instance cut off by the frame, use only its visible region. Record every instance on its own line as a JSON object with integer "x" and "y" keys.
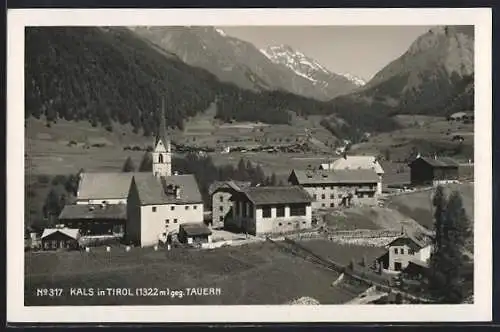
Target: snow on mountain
{"x": 355, "y": 79}
{"x": 309, "y": 68}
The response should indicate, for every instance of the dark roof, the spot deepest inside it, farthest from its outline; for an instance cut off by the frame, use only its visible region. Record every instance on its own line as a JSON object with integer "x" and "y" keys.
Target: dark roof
{"x": 195, "y": 229}
{"x": 335, "y": 176}
{"x": 152, "y": 190}
{"x": 439, "y": 162}
{"x": 413, "y": 241}
{"x": 277, "y": 195}
{"x": 90, "y": 212}
{"x": 104, "y": 185}
{"x": 236, "y": 185}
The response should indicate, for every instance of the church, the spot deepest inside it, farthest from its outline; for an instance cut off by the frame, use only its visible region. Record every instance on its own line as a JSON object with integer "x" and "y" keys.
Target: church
{"x": 153, "y": 204}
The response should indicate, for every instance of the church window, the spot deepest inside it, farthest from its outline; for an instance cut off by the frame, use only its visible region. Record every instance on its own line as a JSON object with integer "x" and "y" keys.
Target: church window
{"x": 172, "y": 208}
{"x": 160, "y": 158}
{"x": 153, "y": 208}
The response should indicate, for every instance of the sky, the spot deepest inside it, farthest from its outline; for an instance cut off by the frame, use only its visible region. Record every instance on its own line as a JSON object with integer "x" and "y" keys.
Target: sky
{"x": 357, "y": 50}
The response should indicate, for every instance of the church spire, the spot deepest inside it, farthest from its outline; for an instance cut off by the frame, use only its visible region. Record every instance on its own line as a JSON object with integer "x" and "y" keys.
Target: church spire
{"x": 161, "y": 133}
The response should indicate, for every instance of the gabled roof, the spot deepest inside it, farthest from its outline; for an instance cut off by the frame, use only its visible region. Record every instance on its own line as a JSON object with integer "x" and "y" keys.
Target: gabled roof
{"x": 91, "y": 212}
{"x": 335, "y": 176}
{"x": 439, "y": 162}
{"x": 195, "y": 229}
{"x": 152, "y": 190}
{"x": 414, "y": 242}
{"x": 233, "y": 184}
{"x": 358, "y": 162}
{"x": 104, "y": 185}
{"x": 69, "y": 232}
{"x": 277, "y": 195}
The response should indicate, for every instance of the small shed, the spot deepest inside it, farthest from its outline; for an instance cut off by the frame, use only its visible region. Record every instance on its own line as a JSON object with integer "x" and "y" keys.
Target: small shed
{"x": 426, "y": 171}
{"x": 191, "y": 233}
{"x": 60, "y": 238}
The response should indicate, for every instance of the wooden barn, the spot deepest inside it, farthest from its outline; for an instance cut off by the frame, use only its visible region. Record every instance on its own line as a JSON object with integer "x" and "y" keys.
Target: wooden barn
{"x": 60, "y": 238}
{"x": 194, "y": 233}
{"x": 95, "y": 220}
{"x": 433, "y": 171}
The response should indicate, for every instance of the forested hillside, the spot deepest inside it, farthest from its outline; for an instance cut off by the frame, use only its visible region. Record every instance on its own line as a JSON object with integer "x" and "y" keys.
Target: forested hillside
{"x": 107, "y": 75}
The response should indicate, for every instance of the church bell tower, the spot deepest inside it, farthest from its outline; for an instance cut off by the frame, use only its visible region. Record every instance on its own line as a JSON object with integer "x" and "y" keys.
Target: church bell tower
{"x": 162, "y": 155}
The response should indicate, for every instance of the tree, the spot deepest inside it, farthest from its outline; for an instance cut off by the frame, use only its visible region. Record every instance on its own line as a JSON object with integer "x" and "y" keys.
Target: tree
{"x": 146, "y": 163}
{"x": 387, "y": 154}
{"x": 447, "y": 261}
{"x": 128, "y": 166}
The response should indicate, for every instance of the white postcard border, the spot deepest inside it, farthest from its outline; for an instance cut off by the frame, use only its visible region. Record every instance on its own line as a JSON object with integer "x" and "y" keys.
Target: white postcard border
{"x": 481, "y": 310}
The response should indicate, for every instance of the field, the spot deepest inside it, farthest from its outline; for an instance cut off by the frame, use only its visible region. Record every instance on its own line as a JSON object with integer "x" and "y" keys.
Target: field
{"x": 251, "y": 274}
{"x": 425, "y": 134}
{"x": 341, "y": 253}
{"x": 417, "y": 205}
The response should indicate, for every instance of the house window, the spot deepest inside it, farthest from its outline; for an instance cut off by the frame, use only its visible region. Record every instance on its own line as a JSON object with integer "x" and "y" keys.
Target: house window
{"x": 298, "y": 210}
{"x": 153, "y": 208}
{"x": 411, "y": 252}
{"x": 397, "y": 266}
{"x": 332, "y": 205}
{"x": 160, "y": 158}
{"x": 221, "y": 208}
{"x": 323, "y": 196}
{"x": 221, "y": 218}
{"x": 167, "y": 221}
{"x": 332, "y": 196}
{"x": 266, "y": 212}
{"x": 402, "y": 251}
{"x": 280, "y": 211}
{"x": 187, "y": 207}
{"x": 331, "y": 187}
{"x": 323, "y": 205}
{"x": 172, "y": 208}
{"x": 289, "y": 223}
{"x": 221, "y": 198}
{"x": 280, "y": 224}
{"x": 195, "y": 207}
{"x": 175, "y": 221}
{"x": 396, "y": 251}
{"x": 303, "y": 222}
{"x": 315, "y": 196}
{"x": 324, "y": 188}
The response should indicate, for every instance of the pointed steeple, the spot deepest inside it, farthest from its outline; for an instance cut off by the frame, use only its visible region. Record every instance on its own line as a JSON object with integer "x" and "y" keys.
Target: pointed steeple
{"x": 161, "y": 134}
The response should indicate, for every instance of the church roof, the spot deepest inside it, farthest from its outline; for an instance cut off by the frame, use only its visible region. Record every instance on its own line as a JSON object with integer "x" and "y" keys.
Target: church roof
{"x": 104, "y": 185}
{"x": 152, "y": 190}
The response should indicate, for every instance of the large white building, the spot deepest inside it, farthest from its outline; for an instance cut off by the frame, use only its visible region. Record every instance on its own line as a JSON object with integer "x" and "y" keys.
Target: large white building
{"x": 270, "y": 210}
{"x": 156, "y": 206}
{"x": 338, "y": 188}
{"x": 348, "y": 162}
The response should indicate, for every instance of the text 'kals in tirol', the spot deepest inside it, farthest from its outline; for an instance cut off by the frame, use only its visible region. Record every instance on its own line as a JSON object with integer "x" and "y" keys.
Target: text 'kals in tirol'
{"x": 145, "y": 292}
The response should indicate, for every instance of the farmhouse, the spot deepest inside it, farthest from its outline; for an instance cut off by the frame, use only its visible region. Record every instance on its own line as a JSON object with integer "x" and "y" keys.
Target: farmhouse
{"x": 96, "y": 220}
{"x": 60, "y": 238}
{"x": 357, "y": 162}
{"x": 158, "y": 205}
{"x": 194, "y": 233}
{"x": 404, "y": 250}
{"x": 221, "y": 193}
{"x": 433, "y": 171}
{"x": 334, "y": 188}
{"x": 267, "y": 210}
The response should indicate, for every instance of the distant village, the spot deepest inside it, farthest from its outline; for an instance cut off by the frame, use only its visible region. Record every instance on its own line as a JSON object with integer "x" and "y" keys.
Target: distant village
{"x": 164, "y": 209}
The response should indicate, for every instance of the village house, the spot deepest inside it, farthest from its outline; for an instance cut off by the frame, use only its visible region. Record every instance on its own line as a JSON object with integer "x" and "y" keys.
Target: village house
{"x": 403, "y": 250}
{"x": 338, "y": 188}
{"x": 221, "y": 193}
{"x": 156, "y": 206}
{"x": 194, "y": 233}
{"x": 60, "y": 238}
{"x": 433, "y": 171}
{"x": 270, "y": 210}
{"x": 348, "y": 162}
{"x": 96, "y": 219}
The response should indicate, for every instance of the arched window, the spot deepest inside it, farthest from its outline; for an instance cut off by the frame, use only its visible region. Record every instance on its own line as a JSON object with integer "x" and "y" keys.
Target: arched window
{"x": 160, "y": 158}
